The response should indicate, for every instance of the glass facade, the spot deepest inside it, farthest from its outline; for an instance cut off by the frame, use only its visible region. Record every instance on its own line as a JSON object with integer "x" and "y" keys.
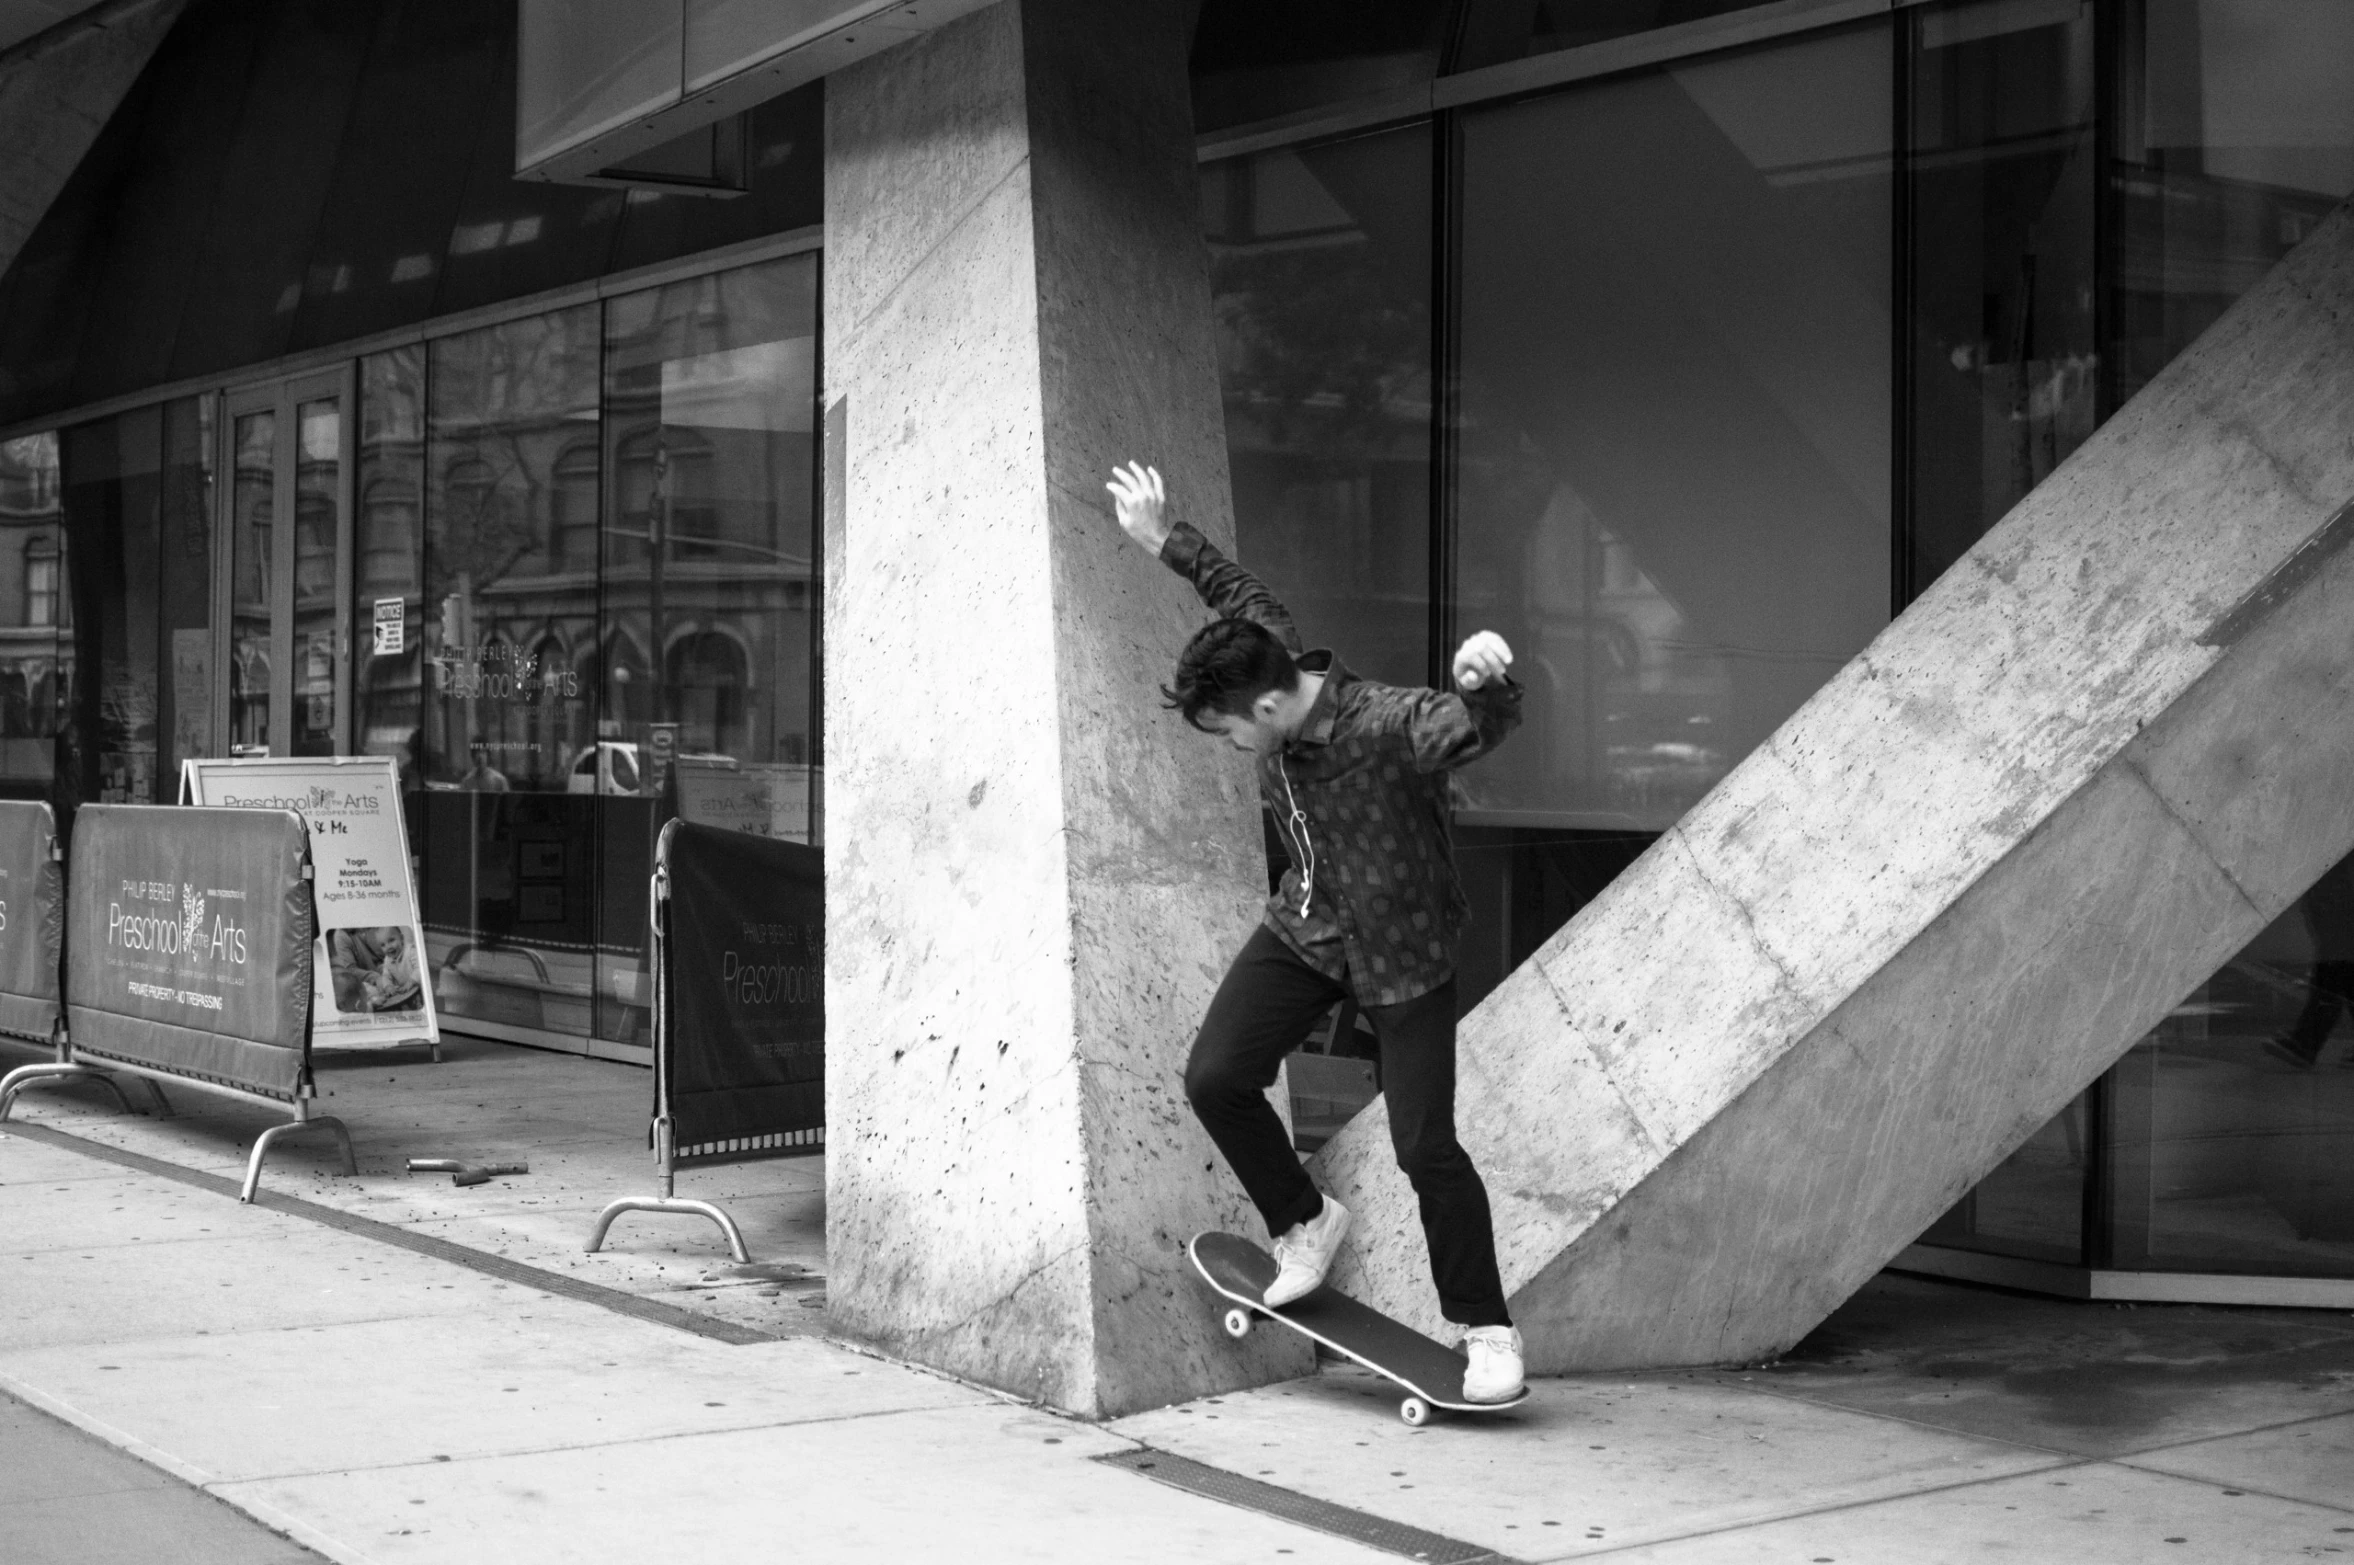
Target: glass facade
{"x": 137, "y": 504}
{"x": 560, "y": 568}
{"x": 317, "y": 173}
{"x": 34, "y": 612}
{"x": 1723, "y": 361}
{"x": 586, "y": 536}
{"x": 1672, "y": 471}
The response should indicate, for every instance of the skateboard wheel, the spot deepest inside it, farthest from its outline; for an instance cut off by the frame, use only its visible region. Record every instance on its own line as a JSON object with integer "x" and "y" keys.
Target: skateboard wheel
{"x": 1238, "y": 1324}
{"x": 1414, "y": 1411}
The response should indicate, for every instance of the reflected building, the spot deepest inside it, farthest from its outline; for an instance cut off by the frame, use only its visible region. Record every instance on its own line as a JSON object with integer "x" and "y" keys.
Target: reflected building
{"x": 1683, "y": 342}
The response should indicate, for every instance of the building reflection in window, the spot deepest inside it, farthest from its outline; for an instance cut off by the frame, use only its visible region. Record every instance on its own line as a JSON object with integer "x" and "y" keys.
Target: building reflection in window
{"x": 2232, "y": 1123}
{"x": 1320, "y": 266}
{"x": 2003, "y": 366}
{"x": 388, "y": 611}
{"x": 31, "y": 516}
{"x": 512, "y": 880}
{"x": 136, "y": 503}
{"x": 707, "y": 663}
{"x": 1673, "y": 442}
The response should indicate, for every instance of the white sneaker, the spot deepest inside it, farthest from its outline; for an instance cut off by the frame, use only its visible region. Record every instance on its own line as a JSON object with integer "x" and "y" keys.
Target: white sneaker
{"x": 1306, "y": 1251}
{"x": 1495, "y": 1374}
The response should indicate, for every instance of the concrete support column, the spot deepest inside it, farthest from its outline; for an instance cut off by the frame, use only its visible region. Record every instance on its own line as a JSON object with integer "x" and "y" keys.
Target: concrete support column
{"x": 1034, "y": 875}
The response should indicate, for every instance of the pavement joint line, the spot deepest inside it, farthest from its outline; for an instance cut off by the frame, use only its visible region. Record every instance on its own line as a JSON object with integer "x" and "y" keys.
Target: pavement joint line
{"x": 518, "y": 1453}
{"x": 2241, "y": 1488}
{"x": 140, "y": 1242}
{"x": 652, "y": 1311}
{"x": 1188, "y": 1476}
{"x": 1864, "y": 1503}
{"x": 2232, "y": 1434}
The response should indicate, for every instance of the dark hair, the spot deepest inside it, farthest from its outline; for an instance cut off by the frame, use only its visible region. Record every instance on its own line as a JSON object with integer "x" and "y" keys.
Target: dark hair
{"x": 1226, "y": 667}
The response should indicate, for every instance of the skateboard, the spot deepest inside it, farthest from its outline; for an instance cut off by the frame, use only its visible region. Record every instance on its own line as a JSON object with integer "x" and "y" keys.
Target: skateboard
{"x": 1431, "y": 1372}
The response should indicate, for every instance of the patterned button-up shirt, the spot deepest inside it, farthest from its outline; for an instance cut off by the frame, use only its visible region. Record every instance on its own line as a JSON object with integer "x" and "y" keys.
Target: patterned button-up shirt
{"x": 1360, "y": 799}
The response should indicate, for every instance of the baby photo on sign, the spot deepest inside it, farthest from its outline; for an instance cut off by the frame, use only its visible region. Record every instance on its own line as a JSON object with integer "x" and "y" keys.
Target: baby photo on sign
{"x": 375, "y": 970}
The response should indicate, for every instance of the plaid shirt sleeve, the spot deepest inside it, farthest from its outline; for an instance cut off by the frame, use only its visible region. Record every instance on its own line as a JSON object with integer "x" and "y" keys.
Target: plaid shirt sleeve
{"x": 1229, "y": 590}
{"x": 1444, "y": 729}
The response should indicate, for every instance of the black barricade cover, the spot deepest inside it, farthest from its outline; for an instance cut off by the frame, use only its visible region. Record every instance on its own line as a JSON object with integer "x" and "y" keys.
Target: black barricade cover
{"x": 189, "y": 943}
{"x": 747, "y": 998}
{"x": 32, "y": 920}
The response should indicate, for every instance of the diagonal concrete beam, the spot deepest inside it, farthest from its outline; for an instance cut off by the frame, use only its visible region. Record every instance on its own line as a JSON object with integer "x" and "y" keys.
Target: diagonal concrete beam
{"x": 57, "y": 90}
{"x": 2052, "y": 798}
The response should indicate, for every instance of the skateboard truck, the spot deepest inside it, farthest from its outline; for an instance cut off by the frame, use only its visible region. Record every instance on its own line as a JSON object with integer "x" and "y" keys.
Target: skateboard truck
{"x": 463, "y": 1173}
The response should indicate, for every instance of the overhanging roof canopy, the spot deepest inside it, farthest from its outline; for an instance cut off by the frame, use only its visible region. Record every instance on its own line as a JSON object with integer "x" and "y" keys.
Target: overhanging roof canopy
{"x": 602, "y": 83}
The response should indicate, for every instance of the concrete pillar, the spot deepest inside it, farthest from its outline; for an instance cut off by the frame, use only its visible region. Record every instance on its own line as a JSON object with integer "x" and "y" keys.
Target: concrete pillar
{"x": 57, "y": 90}
{"x": 2099, "y": 755}
{"x": 1034, "y": 875}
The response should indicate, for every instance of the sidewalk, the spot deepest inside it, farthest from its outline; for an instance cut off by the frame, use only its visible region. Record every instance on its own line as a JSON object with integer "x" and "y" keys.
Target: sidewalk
{"x": 580, "y": 1125}
{"x": 372, "y": 1402}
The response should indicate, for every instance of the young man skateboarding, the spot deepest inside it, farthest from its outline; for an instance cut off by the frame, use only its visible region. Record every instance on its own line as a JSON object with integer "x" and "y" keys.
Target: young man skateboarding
{"x": 1356, "y": 774}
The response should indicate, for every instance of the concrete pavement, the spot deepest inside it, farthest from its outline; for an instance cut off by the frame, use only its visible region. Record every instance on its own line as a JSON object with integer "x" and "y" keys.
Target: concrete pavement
{"x": 372, "y": 1402}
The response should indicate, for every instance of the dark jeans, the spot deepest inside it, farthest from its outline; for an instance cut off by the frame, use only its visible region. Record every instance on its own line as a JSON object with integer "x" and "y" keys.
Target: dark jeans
{"x": 1263, "y": 1011}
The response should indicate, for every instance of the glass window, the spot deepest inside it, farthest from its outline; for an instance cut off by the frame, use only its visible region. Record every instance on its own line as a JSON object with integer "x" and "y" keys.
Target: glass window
{"x": 510, "y": 848}
{"x": 113, "y": 471}
{"x": 2233, "y": 1121}
{"x": 1253, "y": 61}
{"x": 253, "y": 492}
{"x": 1674, "y": 442}
{"x": 318, "y": 486}
{"x": 1320, "y": 264}
{"x": 1495, "y": 31}
{"x": 2235, "y": 137}
{"x": 31, "y": 511}
{"x": 708, "y": 657}
{"x": 404, "y": 154}
{"x": 184, "y": 695}
{"x": 245, "y": 270}
{"x": 511, "y": 405}
{"x": 2231, "y": 1143}
{"x": 388, "y": 608}
{"x": 2003, "y": 368}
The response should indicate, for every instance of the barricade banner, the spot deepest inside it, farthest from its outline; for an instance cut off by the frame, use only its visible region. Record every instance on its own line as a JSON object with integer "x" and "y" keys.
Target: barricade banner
{"x": 189, "y": 938}
{"x": 368, "y": 971}
{"x": 746, "y": 1065}
{"x": 32, "y": 921}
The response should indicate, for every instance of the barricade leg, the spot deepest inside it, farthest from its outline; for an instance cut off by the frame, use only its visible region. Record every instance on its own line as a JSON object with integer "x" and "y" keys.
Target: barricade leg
{"x": 51, "y": 1070}
{"x": 261, "y": 1147}
{"x": 676, "y": 1208}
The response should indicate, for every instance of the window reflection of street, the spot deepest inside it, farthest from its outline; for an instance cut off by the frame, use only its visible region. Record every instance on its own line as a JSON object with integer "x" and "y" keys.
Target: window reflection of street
{"x": 588, "y": 485}
{"x": 31, "y": 565}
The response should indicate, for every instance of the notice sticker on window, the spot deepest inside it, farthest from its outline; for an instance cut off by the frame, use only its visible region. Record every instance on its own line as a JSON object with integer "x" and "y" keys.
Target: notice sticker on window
{"x": 391, "y": 627}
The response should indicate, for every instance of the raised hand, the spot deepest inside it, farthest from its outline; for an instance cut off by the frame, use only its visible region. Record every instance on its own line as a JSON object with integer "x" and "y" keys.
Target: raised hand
{"x": 1480, "y": 659}
{"x": 1140, "y": 501}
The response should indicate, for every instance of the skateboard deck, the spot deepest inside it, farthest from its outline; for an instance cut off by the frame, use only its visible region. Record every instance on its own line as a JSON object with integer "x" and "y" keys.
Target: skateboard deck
{"x": 1430, "y": 1371}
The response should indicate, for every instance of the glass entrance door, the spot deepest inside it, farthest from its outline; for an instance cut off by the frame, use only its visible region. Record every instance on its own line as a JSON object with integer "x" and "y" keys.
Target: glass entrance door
{"x": 285, "y": 568}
